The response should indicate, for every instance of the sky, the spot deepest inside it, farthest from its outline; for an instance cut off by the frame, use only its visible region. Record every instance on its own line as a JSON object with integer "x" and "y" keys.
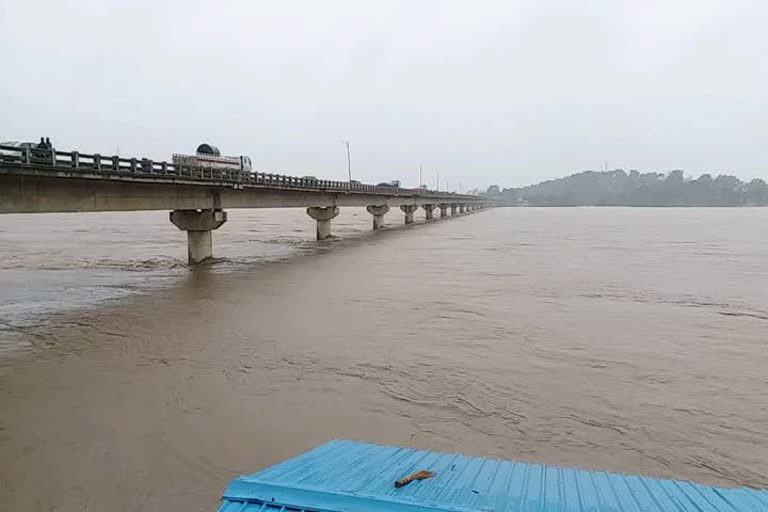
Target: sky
{"x": 481, "y": 92}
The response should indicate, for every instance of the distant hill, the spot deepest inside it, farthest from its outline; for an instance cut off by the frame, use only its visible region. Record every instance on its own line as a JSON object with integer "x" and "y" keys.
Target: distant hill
{"x": 618, "y": 188}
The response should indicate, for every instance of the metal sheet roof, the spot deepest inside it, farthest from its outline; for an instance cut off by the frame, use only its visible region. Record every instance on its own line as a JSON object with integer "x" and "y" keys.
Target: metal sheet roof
{"x": 345, "y": 476}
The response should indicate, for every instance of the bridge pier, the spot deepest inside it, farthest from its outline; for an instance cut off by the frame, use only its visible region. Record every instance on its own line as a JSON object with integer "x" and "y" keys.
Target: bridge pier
{"x": 199, "y": 226}
{"x": 408, "y": 210}
{"x": 378, "y": 215}
{"x": 462, "y": 208}
{"x": 323, "y": 215}
{"x": 429, "y": 209}
{"x": 454, "y": 209}
{"x": 443, "y": 210}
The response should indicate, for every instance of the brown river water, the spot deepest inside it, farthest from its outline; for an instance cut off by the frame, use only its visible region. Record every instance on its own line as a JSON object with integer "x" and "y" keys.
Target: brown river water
{"x": 632, "y": 340}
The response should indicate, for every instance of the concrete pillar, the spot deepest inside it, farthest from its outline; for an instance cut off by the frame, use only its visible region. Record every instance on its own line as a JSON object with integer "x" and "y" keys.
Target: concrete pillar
{"x": 443, "y": 210}
{"x": 462, "y": 208}
{"x": 323, "y": 216}
{"x": 429, "y": 208}
{"x": 198, "y": 225}
{"x": 408, "y": 210}
{"x": 378, "y": 215}
{"x": 454, "y": 208}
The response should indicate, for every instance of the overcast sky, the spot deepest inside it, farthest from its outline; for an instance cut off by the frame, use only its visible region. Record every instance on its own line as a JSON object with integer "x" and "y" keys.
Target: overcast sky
{"x": 507, "y": 92}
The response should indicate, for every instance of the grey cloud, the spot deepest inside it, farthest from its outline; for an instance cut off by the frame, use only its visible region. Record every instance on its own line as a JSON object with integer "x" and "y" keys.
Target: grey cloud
{"x": 483, "y": 92}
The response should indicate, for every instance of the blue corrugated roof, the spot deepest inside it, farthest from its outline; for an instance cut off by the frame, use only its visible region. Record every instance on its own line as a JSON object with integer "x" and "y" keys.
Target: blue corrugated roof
{"x": 346, "y": 476}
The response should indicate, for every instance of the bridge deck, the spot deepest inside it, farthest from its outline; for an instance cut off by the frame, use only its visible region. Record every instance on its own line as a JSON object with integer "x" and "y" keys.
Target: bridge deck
{"x": 47, "y": 164}
{"x": 351, "y": 476}
{"x": 37, "y": 187}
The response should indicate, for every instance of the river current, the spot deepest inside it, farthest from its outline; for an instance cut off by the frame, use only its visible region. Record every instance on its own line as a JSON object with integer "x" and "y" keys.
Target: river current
{"x": 630, "y": 340}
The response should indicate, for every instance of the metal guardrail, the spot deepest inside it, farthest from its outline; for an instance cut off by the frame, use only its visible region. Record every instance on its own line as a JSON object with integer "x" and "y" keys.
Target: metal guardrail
{"x": 143, "y": 167}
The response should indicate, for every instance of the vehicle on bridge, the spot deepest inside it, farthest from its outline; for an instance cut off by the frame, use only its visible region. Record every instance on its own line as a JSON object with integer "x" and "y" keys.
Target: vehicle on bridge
{"x": 392, "y": 184}
{"x": 37, "y": 149}
{"x": 208, "y": 156}
{"x": 7, "y": 154}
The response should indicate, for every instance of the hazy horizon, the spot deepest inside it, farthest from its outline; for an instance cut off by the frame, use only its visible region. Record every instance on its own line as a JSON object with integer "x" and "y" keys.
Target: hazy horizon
{"x": 507, "y": 93}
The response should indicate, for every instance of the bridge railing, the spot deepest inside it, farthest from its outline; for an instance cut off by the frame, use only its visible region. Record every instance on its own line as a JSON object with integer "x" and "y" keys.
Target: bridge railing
{"x": 74, "y": 161}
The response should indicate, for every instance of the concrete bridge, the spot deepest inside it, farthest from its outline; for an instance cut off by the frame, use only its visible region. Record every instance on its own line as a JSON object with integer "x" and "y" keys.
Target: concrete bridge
{"x": 37, "y": 181}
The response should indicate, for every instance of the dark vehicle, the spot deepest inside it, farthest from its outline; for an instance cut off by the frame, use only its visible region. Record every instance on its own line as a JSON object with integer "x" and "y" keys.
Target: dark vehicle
{"x": 37, "y": 150}
{"x": 392, "y": 184}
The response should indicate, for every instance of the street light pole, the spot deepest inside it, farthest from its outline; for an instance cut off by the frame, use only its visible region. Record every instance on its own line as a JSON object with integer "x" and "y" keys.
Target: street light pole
{"x": 421, "y": 181}
{"x": 349, "y": 164}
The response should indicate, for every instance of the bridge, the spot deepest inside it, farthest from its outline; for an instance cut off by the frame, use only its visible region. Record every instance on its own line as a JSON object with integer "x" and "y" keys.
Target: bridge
{"x": 46, "y": 180}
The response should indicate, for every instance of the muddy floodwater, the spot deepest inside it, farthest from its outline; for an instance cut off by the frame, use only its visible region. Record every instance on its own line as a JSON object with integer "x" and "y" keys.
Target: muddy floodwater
{"x": 633, "y": 340}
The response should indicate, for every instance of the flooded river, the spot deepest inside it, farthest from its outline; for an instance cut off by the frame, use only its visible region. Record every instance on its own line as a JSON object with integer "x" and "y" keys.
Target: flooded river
{"x": 633, "y": 340}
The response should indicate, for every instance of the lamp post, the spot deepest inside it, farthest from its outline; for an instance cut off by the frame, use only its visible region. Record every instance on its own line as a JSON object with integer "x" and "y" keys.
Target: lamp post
{"x": 349, "y": 164}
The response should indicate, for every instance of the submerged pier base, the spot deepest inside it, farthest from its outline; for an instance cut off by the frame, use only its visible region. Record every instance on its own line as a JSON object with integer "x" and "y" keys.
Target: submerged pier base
{"x": 199, "y": 225}
{"x": 323, "y": 215}
{"x": 378, "y": 215}
{"x": 408, "y": 210}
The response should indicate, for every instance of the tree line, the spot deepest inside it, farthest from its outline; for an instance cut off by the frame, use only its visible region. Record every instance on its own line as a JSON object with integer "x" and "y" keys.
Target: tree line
{"x": 619, "y": 188}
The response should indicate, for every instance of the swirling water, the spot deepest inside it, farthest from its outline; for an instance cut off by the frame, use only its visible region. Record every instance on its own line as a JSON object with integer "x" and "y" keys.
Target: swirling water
{"x": 611, "y": 338}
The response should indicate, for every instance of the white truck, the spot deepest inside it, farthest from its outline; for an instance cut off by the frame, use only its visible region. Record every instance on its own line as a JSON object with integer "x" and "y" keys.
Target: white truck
{"x": 208, "y": 156}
